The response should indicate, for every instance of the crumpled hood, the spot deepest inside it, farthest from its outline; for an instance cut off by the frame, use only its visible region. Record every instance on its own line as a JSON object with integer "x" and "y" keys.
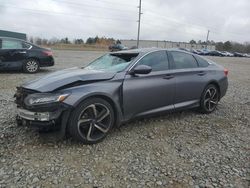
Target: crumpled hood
{"x": 61, "y": 78}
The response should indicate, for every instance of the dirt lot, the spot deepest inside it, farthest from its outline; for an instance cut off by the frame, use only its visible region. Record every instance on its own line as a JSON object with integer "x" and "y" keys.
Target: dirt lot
{"x": 184, "y": 149}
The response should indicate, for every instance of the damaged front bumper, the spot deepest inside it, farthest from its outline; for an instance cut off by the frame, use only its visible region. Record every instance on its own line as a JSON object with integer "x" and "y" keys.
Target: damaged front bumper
{"x": 47, "y": 117}
{"x": 44, "y": 115}
{"x": 52, "y": 123}
{"x": 44, "y": 118}
{"x": 37, "y": 116}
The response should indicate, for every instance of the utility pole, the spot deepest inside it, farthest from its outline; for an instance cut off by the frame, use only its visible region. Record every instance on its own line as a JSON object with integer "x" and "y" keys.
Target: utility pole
{"x": 207, "y": 38}
{"x": 139, "y": 24}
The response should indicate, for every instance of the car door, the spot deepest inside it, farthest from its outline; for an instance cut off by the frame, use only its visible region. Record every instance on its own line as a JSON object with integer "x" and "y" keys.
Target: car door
{"x": 147, "y": 93}
{"x": 190, "y": 78}
{"x": 12, "y": 53}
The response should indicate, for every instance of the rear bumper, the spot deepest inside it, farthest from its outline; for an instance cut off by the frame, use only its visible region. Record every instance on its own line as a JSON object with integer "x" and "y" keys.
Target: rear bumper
{"x": 223, "y": 87}
{"x": 47, "y": 61}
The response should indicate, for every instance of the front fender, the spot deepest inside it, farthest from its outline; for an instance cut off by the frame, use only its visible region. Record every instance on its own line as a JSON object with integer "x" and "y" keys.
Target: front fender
{"x": 110, "y": 92}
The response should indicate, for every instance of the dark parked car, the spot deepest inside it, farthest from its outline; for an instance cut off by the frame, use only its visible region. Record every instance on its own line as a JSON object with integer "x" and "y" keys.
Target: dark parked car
{"x": 216, "y": 53}
{"x": 184, "y": 49}
{"x": 117, "y": 47}
{"x": 117, "y": 87}
{"x": 200, "y": 51}
{"x": 17, "y": 54}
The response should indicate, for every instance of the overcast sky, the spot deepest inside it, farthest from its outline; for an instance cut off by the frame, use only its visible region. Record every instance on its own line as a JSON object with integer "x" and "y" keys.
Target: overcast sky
{"x": 171, "y": 20}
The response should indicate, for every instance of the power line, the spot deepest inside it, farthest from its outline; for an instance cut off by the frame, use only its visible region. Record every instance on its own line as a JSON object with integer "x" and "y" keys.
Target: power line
{"x": 66, "y": 14}
{"x": 214, "y": 30}
{"x": 112, "y": 2}
{"x": 93, "y": 6}
{"x": 84, "y": 5}
{"x": 176, "y": 21}
{"x": 162, "y": 29}
{"x": 170, "y": 23}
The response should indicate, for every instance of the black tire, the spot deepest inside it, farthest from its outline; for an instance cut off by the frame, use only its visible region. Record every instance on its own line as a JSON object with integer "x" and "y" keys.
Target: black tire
{"x": 31, "y": 66}
{"x": 19, "y": 121}
{"x": 86, "y": 123}
{"x": 209, "y": 99}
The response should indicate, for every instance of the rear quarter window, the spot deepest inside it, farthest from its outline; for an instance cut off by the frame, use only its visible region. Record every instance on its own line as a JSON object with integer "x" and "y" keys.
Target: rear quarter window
{"x": 202, "y": 62}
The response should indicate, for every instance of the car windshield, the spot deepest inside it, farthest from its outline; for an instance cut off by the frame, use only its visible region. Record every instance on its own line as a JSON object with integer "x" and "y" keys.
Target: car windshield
{"x": 112, "y": 62}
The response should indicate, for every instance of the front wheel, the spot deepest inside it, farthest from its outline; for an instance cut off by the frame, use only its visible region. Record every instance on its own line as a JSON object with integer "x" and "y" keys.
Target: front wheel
{"x": 31, "y": 66}
{"x": 91, "y": 121}
{"x": 209, "y": 99}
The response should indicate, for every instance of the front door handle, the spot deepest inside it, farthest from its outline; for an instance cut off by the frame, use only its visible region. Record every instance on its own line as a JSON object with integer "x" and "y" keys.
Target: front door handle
{"x": 202, "y": 73}
{"x": 22, "y": 52}
{"x": 168, "y": 76}
{"x": 18, "y": 52}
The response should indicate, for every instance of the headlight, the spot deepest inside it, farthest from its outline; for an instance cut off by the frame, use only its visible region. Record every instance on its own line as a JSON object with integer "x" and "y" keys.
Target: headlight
{"x": 44, "y": 98}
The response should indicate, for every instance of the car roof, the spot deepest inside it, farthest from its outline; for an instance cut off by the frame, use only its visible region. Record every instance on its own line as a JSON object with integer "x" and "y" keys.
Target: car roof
{"x": 11, "y": 38}
{"x": 21, "y": 41}
{"x": 147, "y": 50}
{"x": 139, "y": 50}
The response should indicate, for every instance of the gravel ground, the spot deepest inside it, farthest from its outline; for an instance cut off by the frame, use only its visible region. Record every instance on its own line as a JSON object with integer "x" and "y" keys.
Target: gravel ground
{"x": 184, "y": 149}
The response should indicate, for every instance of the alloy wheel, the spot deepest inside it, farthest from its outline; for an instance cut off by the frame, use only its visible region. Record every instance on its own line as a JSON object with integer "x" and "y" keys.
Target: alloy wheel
{"x": 94, "y": 122}
{"x": 32, "y": 66}
{"x": 211, "y": 99}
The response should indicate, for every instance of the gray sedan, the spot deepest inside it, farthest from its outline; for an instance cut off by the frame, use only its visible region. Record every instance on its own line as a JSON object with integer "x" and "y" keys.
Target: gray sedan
{"x": 87, "y": 102}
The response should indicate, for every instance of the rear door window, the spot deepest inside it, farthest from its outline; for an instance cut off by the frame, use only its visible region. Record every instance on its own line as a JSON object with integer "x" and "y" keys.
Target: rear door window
{"x": 11, "y": 44}
{"x": 183, "y": 60}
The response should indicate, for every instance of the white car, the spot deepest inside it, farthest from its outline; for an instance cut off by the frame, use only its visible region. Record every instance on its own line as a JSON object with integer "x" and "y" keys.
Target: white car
{"x": 227, "y": 54}
{"x": 246, "y": 55}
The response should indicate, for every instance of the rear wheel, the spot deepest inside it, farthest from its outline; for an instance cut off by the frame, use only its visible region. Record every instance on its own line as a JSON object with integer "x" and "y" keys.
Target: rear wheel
{"x": 209, "y": 99}
{"x": 31, "y": 66}
{"x": 91, "y": 121}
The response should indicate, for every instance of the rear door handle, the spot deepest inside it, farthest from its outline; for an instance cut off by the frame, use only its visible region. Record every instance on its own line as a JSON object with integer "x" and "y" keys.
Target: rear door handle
{"x": 202, "y": 73}
{"x": 168, "y": 76}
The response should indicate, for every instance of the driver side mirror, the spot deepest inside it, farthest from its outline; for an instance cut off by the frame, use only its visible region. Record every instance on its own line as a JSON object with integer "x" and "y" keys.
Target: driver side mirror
{"x": 141, "y": 69}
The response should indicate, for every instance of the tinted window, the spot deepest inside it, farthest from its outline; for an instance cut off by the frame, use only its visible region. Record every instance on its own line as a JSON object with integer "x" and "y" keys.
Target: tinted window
{"x": 158, "y": 61}
{"x": 11, "y": 44}
{"x": 184, "y": 60}
{"x": 202, "y": 62}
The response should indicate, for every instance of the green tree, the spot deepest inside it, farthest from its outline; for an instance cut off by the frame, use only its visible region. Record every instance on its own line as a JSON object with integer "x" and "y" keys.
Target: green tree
{"x": 90, "y": 40}
{"x": 78, "y": 41}
{"x": 219, "y": 46}
{"x": 66, "y": 40}
{"x": 192, "y": 41}
{"x": 227, "y": 46}
{"x": 96, "y": 39}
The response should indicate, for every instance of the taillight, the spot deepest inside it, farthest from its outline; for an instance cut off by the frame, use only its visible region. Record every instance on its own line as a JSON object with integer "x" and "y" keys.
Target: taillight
{"x": 47, "y": 53}
{"x": 226, "y": 72}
